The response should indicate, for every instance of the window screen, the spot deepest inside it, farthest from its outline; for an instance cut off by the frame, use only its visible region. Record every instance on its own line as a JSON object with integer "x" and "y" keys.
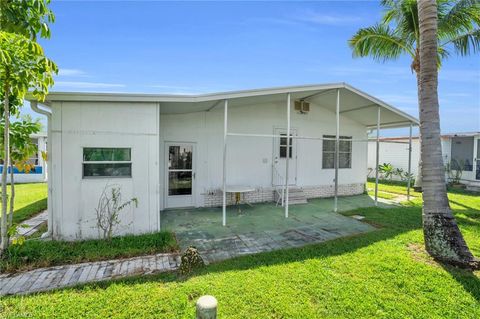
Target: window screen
{"x": 107, "y": 162}
{"x": 344, "y": 152}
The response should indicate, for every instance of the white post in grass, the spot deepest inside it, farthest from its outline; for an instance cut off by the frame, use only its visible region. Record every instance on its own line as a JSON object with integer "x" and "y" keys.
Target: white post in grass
{"x": 287, "y": 155}
{"x": 207, "y": 307}
{"x": 409, "y": 161}
{"x": 224, "y": 194}
{"x": 337, "y": 146}
{"x": 377, "y": 156}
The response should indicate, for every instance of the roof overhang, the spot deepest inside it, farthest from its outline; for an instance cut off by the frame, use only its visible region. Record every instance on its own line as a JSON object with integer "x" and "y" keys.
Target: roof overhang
{"x": 354, "y": 103}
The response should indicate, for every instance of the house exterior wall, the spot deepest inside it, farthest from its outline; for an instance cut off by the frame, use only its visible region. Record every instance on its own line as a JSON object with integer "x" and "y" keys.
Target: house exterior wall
{"x": 397, "y": 155}
{"x": 76, "y": 125}
{"x": 250, "y": 159}
{"x": 142, "y": 127}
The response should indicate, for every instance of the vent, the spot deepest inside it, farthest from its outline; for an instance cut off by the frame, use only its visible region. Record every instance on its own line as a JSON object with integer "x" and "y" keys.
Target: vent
{"x": 302, "y": 106}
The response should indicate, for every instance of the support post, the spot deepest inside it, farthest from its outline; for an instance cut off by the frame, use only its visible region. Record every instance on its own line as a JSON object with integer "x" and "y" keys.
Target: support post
{"x": 337, "y": 146}
{"x": 288, "y": 155}
{"x": 225, "y": 132}
{"x": 377, "y": 156}
{"x": 409, "y": 161}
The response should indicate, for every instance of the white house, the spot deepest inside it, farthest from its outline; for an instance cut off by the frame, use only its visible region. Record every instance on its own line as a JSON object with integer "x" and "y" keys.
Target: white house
{"x": 172, "y": 151}
{"x": 38, "y": 173}
{"x": 457, "y": 149}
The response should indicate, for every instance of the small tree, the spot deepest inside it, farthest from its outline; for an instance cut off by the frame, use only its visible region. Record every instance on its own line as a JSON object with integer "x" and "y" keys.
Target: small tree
{"x": 108, "y": 210}
{"x": 21, "y": 150}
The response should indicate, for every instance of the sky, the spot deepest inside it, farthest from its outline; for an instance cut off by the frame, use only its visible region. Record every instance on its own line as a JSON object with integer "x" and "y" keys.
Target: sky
{"x": 202, "y": 47}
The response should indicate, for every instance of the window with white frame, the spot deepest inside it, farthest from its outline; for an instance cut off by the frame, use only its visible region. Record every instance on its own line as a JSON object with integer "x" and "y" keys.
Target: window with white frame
{"x": 107, "y": 162}
{"x": 344, "y": 152}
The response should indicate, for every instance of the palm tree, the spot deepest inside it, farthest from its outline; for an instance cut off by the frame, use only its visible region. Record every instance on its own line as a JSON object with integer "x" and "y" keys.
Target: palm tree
{"x": 454, "y": 26}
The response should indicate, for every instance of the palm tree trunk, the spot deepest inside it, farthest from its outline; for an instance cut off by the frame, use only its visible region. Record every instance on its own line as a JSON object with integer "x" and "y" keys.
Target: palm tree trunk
{"x": 6, "y": 145}
{"x": 443, "y": 239}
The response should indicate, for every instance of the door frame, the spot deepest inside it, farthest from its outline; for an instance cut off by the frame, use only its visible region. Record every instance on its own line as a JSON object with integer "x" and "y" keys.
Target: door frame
{"x": 276, "y": 141}
{"x": 166, "y": 170}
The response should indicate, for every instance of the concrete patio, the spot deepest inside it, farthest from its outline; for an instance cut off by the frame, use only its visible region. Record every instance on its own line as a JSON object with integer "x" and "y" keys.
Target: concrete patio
{"x": 263, "y": 227}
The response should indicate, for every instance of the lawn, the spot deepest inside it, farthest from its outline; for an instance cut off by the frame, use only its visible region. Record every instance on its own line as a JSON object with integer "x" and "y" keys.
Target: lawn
{"x": 380, "y": 274}
{"x": 30, "y": 199}
{"x": 36, "y": 253}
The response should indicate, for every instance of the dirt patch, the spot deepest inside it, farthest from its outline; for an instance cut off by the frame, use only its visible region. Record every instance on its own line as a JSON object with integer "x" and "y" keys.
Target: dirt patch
{"x": 420, "y": 254}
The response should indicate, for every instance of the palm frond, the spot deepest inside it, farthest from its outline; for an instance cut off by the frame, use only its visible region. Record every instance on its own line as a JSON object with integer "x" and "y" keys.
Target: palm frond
{"x": 457, "y": 19}
{"x": 380, "y": 42}
{"x": 466, "y": 43}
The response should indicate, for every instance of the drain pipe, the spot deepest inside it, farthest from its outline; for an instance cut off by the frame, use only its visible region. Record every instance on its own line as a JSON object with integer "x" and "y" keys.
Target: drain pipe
{"x": 49, "y": 171}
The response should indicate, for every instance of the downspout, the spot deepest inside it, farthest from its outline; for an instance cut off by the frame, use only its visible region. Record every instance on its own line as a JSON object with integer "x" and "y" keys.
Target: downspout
{"x": 48, "y": 113}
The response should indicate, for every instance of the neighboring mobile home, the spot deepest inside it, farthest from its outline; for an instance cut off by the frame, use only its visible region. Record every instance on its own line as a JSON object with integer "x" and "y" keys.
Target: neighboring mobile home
{"x": 458, "y": 149}
{"x": 38, "y": 173}
{"x": 172, "y": 151}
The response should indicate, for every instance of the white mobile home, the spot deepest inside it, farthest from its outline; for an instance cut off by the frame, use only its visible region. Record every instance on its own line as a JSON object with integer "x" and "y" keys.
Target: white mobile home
{"x": 458, "y": 149}
{"x": 38, "y": 172}
{"x": 172, "y": 151}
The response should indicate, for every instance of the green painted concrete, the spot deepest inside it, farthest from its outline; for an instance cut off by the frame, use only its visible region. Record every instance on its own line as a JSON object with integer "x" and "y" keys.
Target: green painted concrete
{"x": 263, "y": 227}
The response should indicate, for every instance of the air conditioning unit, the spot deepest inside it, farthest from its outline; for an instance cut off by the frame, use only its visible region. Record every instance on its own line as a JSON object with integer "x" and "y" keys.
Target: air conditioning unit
{"x": 302, "y": 106}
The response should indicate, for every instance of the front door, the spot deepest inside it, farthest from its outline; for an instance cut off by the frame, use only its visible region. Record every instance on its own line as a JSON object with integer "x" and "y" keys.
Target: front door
{"x": 180, "y": 174}
{"x": 280, "y": 154}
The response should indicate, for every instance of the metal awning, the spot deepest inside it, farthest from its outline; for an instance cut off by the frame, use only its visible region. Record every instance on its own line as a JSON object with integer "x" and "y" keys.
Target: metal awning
{"x": 356, "y": 104}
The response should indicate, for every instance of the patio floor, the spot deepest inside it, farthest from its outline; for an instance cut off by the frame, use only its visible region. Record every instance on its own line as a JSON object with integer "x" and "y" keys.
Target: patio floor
{"x": 263, "y": 227}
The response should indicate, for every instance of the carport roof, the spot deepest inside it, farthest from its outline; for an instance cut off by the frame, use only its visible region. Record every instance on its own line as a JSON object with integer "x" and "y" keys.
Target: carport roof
{"x": 354, "y": 103}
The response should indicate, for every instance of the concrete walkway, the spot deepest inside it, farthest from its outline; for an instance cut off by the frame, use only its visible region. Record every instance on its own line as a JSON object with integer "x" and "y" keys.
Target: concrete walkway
{"x": 33, "y": 224}
{"x": 44, "y": 279}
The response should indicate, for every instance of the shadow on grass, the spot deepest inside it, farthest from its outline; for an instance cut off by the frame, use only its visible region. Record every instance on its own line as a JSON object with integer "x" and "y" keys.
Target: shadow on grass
{"x": 408, "y": 219}
{"x": 467, "y": 278}
{"x": 30, "y": 210}
{"x": 393, "y": 222}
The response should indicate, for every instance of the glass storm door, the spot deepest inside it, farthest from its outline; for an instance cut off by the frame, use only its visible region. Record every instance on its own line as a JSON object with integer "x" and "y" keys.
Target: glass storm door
{"x": 280, "y": 156}
{"x": 180, "y": 175}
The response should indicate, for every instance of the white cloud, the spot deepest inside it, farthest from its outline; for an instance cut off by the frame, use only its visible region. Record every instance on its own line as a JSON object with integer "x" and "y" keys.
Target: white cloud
{"x": 87, "y": 85}
{"x": 460, "y": 75}
{"x": 173, "y": 89}
{"x": 71, "y": 72}
{"x": 314, "y": 17}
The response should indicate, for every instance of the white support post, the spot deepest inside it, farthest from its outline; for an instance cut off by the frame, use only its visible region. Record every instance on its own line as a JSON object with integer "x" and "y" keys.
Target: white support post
{"x": 287, "y": 155}
{"x": 377, "y": 156}
{"x": 409, "y": 161}
{"x": 225, "y": 132}
{"x": 337, "y": 146}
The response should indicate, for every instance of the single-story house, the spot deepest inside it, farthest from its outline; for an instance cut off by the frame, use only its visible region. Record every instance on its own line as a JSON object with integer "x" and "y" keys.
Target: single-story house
{"x": 174, "y": 151}
{"x": 38, "y": 172}
{"x": 458, "y": 149}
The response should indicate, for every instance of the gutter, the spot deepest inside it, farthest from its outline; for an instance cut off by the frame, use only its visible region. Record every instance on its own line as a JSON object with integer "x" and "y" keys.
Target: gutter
{"x": 48, "y": 113}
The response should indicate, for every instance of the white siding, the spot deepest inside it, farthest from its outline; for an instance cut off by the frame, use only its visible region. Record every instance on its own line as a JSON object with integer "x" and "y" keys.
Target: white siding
{"x": 78, "y": 125}
{"x": 250, "y": 158}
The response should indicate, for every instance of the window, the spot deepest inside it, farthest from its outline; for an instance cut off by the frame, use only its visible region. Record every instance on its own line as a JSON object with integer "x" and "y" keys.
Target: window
{"x": 462, "y": 153}
{"x": 107, "y": 162}
{"x": 34, "y": 159}
{"x": 344, "y": 152}
{"x": 283, "y": 146}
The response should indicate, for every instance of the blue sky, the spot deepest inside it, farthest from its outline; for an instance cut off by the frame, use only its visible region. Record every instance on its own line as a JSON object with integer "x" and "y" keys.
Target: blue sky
{"x": 200, "y": 47}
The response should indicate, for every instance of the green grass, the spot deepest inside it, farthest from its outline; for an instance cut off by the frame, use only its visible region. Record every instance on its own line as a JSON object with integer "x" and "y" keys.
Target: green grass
{"x": 36, "y": 253}
{"x": 30, "y": 199}
{"x": 381, "y": 274}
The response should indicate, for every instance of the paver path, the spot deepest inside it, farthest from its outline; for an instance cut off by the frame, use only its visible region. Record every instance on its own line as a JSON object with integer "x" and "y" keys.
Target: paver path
{"x": 44, "y": 279}
{"x": 33, "y": 224}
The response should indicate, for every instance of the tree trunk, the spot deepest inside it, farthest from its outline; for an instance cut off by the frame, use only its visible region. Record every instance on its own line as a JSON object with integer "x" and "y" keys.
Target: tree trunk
{"x": 3, "y": 223}
{"x": 443, "y": 239}
{"x": 12, "y": 195}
